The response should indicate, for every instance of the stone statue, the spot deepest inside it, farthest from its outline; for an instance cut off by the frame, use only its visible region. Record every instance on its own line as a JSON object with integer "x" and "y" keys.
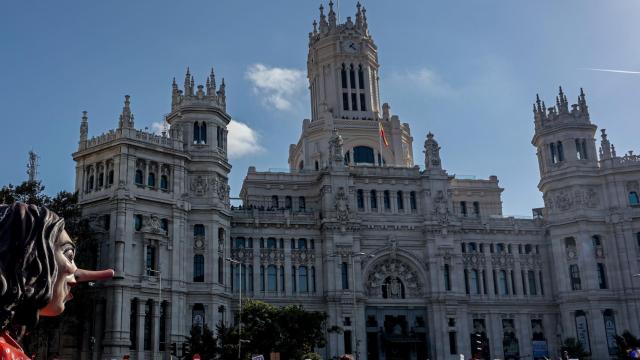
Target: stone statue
{"x": 431, "y": 153}
{"x": 37, "y": 272}
{"x": 336, "y": 150}
{"x": 341, "y": 205}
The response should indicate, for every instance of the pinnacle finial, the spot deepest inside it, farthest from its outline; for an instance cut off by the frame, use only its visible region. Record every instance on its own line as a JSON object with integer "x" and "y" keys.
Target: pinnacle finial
{"x": 84, "y": 116}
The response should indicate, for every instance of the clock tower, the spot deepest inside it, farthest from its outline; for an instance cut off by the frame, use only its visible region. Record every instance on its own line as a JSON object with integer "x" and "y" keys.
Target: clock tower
{"x": 342, "y": 69}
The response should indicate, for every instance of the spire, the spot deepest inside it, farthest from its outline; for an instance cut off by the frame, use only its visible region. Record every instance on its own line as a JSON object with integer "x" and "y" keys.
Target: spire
{"x": 126, "y": 118}
{"x": 365, "y": 25}
{"x": 605, "y": 146}
{"x": 211, "y": 83}
{"x": 315, "y": 27}
{"x": 175, "y": 94}
{"x": 563, "y": 104}
{"x": 332, "y": 16}
{"x": 359, "y": 21}
{"x": 188, "y": 88}
{"x": 222, "y": 91}
{"x": 582, "y": 103}
{"x": 32, "y": 166}
{"x": 323, "y": 20}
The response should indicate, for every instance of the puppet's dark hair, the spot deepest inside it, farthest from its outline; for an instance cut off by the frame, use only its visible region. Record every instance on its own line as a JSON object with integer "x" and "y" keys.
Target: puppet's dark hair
{"x": 28, "y": 269}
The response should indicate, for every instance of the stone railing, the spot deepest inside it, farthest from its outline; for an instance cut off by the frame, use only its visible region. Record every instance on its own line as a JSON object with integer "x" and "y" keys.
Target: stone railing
{"x": 303, "y": 256}
{"x": 243, "y": 255}
{"x": 133, "y": 134}
{"x": 272, "y": 256}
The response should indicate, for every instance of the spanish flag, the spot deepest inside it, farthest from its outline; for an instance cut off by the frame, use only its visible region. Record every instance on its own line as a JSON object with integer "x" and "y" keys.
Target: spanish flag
{"x": 384, "y": 138}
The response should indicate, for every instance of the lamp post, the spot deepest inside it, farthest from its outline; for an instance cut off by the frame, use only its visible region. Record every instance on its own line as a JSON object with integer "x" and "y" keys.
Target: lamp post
{"x": 159, "y": 274}
{"x": 234, "y": 261}
{"x": 352, "y": 256}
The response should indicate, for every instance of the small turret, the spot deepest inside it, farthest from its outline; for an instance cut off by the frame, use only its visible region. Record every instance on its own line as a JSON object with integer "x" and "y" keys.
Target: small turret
{"x": 84, "y": 130}
{"x": 126, "y": 117}
{"x": 359, "y": 19}
{"x": 323, "y": 21}
{"x": 607, "y": 150}
{"x": 333, "y": 21}
{"x": 211, "y": 84}
{"x": 188, "y": 85}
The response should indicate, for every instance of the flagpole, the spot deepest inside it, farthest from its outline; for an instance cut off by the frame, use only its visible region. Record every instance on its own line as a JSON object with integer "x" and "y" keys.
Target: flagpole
{"x": 380, "y": 131}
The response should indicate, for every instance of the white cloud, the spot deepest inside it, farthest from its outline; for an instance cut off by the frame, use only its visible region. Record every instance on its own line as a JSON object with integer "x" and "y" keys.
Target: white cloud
{"x": 157, "y": 127}
{"x": 242, "y": 140}
{"x": 281, "y": 88}
{"x": 424, "y": 79}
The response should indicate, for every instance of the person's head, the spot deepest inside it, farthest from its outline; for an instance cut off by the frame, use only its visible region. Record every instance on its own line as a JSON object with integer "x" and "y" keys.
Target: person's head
{"x": 37, "y": 269}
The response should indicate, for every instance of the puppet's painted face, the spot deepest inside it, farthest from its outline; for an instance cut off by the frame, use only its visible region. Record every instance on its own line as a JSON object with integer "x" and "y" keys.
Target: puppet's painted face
{"x": 64, "y": 254}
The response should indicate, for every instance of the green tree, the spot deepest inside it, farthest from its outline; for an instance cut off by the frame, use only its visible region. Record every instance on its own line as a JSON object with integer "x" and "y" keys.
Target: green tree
{"x": 574, "y": 348}
{"x": 201, "y": 341}
{"x": 626, "y": 342}
{"x": 227, "y": 341}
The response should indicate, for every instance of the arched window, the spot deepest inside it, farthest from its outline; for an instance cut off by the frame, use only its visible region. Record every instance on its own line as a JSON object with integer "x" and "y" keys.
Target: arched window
{"x": 352, "y": 77}
{"x": 133, "y": 320}
{"x": 347, "y": 158}
{"x": 500, "y": 248}
{"x": 363, "y": 155}
{"x": 373, "y": 199}
{"x": 560, "y": 150}
{"x": 363, "y": 103}
{"x": 475, "y": 281}
{"x": 360, "y": 77}
{"x": 282, "y": 278}
{"x": 198, "y": 268}
{"x": 301, "y": 165}
{"x": 271, "y": 243}
{"x": 164, "y": 224}
{"x": 196, "y": 133}
{"x": 203, "y": 133}
{"x": 317, "y": 165}
{"x": 287, "y": 202}
{"x": 137, "y": 222}
{"x": 413, "y": 201}
{"x": 472, "y": 247}
{"x": 164, "y": 182}
{"x": 220, "y": 270}
{"x": 240, "y": 243}
{"x": 354, "y": 102}
{"x": 261, "y": 277}
{"x": 303, "y": 279}
{"x": 302, "y": 244}
{"x": 400, "y": 200}
{"x": 344, "y": 271}
{"x": 139, "y": 177}
{"x": 302, "y": 203}
{"x": 110, "y": 178}
{"x": 151, "y": 180}
{"x": 360, "y": 199}
{"x": 272, "y": 278}
{"x": 345, "y": 101}
{"x": 198, "y": 230}
{"x": 532, "y": 283}
{"x": 502, "y": 282}
{"x": 343, "y": 76}
{"x": 91, "y": 182}
{"x": 274, "y": 202}
{"x": 148, "y": 321}
{"x": 101, "y": 180}
{"x": 163, "y": 326}
{"x": 527, "y": 249}
{"x": 633, "y": 198}
{"x": 197, "y": 316}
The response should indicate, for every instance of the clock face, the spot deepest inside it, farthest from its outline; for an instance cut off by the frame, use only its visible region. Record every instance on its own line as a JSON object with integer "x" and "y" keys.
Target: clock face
{"x": 350, "y": 47}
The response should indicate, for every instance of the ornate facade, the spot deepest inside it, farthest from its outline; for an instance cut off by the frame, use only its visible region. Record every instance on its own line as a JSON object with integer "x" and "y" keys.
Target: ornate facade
{"x": 408, "y": 261}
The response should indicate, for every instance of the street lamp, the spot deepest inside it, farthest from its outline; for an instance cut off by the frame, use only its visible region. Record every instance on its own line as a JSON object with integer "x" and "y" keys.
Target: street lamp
{"x": 159, "y": 274}
{"x": 352, "y": 256}
{"x": 234, "y": 261}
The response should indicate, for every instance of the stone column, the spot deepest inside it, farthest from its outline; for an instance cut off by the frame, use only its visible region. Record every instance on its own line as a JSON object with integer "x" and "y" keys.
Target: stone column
{"x": 288, "y": 284}
{"x": 494, "y": 327}
{"x": 142, "y": 304}
{"x": 463, "y": 321}
{"x": 367, "y": 201}
{"x": 155, "y": 340}
{"x": 523, "y": 329}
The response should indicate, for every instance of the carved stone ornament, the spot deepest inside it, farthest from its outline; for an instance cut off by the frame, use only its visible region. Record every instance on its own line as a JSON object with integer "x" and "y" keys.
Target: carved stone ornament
{"x": 474, "y": 260}
{"x": 199, "y": 185}
{"x": 302, "y": 256}
{"x": 566, "y": 199}
{"x": 395, "y": 270}
{"x": 271, "y": 256}
{"x": 342, "y": 205}
{"x": 502, "y": 260}
{"x": 151, "y": 224}
{"x": 336, "y": 151}
{"x": 440, "y": 208}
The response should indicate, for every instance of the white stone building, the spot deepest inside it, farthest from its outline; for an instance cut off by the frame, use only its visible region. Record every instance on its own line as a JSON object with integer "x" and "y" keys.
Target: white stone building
{"x": 409, "y": 262}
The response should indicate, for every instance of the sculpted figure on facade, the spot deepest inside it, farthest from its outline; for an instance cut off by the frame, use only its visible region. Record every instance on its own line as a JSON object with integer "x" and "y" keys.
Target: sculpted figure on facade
{"x": 431, "y": 153}
{"x": 336, "y": 150}
{"x": 388, "y": 277}
{"x": 342, "y": 205}
{"x": 199, "y": 185}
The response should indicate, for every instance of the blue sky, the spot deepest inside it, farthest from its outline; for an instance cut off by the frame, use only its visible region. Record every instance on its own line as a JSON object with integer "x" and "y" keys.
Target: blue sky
{"x": 468, "y": 71}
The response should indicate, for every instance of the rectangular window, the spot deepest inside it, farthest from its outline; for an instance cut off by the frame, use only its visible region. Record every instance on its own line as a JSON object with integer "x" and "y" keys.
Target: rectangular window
{"x": 463, "y": 208}
{"x": 347, "y": 342}
{"x": 541, "y": 283}
{"x": 495, "y": 283}
{"x": 466, "y": 281}
{"x": 484, "y": 281}
{"x": 574, "y": 273}
{"x": 360, "y": 199}
{"x": 447, "y": 278}
{"x": 476, "y": 208}
{"x": 345, "y": 101}
{"x": 151, "y": 260}
{"x": 387, "y": 206}
{"x": 198, "y": 268}
{"x": 343, "y": 77}
{"x": 524, "y": 282}
{"x": 344, "y": 268}
{"x": 198, "y": 230}
{"x": 363, "y": 104}
{"x": 453, "y": 344}
{"x": 294, "y": 288}
{"x": 412, "y": 200}
{"x": 553, "y": 153}
{"x": 602, "y": 277}
{"x": 502, "y": 282}
{"x": 513, "y": 283}
{"x": 354, "y": 102}
{"x": 220, "y": 271}
{"x": 360, "y": 77}
{"x": 532, "y": 283}
{"x": 400, "y": 201}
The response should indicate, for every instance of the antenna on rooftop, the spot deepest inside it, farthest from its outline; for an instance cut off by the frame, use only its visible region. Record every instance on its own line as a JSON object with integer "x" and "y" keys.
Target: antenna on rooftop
{"x": 32, "y": 166}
